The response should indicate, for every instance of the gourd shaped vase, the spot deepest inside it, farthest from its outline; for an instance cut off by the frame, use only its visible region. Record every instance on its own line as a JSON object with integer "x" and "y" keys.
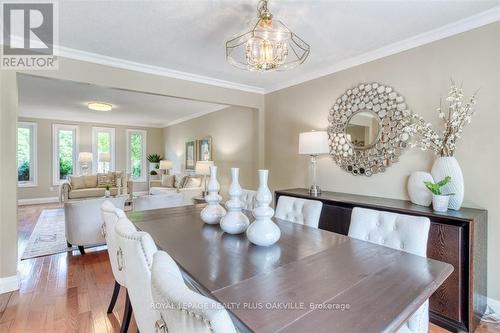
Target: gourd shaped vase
{"x": 263, "y": 231}
{"x": 234, "y": 222}
{"x": 213, "y": 212}
{"x": 448, "y": 166}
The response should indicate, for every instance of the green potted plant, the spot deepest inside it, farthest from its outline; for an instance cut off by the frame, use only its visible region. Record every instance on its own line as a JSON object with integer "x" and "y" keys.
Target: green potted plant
{"x": 440, "y": 201}
{"x": 107, "y": 193}
{"x": 154, "y": 161}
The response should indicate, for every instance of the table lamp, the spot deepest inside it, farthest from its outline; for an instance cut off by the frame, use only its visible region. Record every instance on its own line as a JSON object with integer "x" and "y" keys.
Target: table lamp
{"x": 203, "y": 168}
{"x": 165, "y": 165}
{"x": 104, "y": 158}
{"x": 85, "y": 159}
{"x": 313, "y": 143}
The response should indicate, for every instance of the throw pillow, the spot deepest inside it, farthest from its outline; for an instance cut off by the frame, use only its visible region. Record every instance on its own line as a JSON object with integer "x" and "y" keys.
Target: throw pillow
{"x": 192, "y": 182}
{"x": 77, "y": 182}
{"x": 180, "y": 179}
{"x": 90, "y": 181}
{"x": 106, "y": 179}
{"x": 167, "y": 180}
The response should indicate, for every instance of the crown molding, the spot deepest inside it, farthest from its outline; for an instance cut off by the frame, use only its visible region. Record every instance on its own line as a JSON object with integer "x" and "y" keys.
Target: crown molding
{"x": 67, "y": 52}
{"x": 192, "y": 116}
{"x": 472, "y": 22}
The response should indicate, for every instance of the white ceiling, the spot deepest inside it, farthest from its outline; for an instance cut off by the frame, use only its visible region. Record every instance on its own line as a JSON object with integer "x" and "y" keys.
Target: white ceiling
{"x": 189, "y": 35}
{"x": 64, "y": 100}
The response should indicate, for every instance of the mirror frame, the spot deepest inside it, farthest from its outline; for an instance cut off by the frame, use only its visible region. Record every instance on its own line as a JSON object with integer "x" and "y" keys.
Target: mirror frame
{"x": 394, "y": 116}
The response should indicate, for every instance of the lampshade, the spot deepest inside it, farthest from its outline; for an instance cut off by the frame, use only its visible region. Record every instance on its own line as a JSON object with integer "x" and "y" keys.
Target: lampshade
{"x": 203, "y": 167}
{"x": 85, "y": 157}
{"x": 165, "y": 165}
{"x": 104, "y": 157}
{"x": 313, "y": 143}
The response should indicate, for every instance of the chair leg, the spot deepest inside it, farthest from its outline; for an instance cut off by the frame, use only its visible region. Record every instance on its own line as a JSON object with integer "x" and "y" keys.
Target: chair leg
{"x": 82, "y": 250}
{"x": 116, "y": 291}
{"x": 69, "y": 244}
{"x": 127, "y": 314}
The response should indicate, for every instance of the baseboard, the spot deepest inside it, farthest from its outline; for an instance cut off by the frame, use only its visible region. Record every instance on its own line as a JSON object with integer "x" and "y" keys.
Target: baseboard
{"x": 37, "y": 201}
{"x": 8, "y": 284}
{"x": 494, "y": 305}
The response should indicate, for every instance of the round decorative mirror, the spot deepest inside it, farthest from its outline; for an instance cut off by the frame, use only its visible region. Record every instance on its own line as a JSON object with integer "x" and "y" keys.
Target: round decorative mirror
{"x": 366, "y": 132}
{"x": 363, "y": 129}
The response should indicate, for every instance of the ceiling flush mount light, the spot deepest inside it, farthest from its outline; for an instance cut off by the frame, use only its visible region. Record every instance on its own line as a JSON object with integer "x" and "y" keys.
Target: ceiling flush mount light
{"x": 99, "y": 106}
{"x": 269, "y": 46}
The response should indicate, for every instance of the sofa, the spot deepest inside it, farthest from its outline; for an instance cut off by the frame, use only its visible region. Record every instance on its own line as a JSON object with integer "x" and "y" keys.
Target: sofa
{"x": 94, "y": 186}
{"x": 190, "y": 186}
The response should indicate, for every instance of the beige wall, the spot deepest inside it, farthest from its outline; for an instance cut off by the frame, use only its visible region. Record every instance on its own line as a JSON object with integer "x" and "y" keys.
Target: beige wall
{"x": 422, "y": 75}
{"x": 233, "y": 131}
{"x": 44, "y": 153}
{"x": 8, "y": 211}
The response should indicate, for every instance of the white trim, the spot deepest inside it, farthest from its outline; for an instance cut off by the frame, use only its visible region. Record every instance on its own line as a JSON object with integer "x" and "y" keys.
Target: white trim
{"x": 37, "y": 201}
{"x": 144, "y": 170}
{"x": 55, "y": 160}
{"x": 112, "y": 147}
{"x": 155, "y": 70}
{"x": 463, "y": 25}
{"x": 192, "y": 116}
{"x": 494, "y": 305}
{"x": 8, "y": 284}
{"x": 33, "y": 126}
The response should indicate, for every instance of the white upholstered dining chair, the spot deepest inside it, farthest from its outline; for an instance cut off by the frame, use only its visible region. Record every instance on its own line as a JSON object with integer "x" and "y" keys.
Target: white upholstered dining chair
{"x": 135, "y": 257}
{"x": 180, "y": 308}
{"x": 110, "y": 215}
{"x": 298, "y": 210}
{"x": 401, "y": 232}
{"x": 248, "y": 199}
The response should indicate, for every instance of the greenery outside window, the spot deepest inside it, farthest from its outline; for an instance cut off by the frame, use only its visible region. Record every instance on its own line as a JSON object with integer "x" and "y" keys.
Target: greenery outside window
{"x": 103, "y": 141}
{"x": 136, "y": 154}
{"x": 65, "y": 152}
{"x": 26, "y": 154}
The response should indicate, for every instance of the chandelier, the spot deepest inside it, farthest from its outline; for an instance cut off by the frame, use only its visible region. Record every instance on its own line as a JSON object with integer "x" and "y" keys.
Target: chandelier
{"x": 269, "y": 46}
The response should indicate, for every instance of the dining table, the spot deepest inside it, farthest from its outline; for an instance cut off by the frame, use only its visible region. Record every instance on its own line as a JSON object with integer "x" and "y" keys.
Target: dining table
{"x": 311, "y": 280}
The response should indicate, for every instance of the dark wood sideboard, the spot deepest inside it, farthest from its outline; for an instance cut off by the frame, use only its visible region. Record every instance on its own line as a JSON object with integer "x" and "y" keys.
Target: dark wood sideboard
{"x": 456, "y": 237}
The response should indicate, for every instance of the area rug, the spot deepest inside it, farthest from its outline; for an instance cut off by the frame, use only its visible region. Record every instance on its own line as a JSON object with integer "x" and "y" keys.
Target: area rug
{"x": 48, "y": 236}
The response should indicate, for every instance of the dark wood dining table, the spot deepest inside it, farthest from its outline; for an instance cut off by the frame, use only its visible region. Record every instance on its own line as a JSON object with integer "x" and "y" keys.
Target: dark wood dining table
{"x": 311, "y": 280}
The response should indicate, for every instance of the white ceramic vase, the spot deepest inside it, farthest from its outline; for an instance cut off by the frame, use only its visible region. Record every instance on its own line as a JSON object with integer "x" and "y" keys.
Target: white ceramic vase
{"x": 440, "y": 202}
{"x": 418, "y": 192}
{"x": 234, "y": 222}
{"x": 263, "y": 231}
{"x": 448, "y": 166}
{"x": 213, "y": 212}
{"x": 107, "y": 193}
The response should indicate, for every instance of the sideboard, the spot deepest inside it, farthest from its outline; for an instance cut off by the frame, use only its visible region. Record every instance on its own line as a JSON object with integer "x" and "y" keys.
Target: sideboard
{"x": 456, "y": 237}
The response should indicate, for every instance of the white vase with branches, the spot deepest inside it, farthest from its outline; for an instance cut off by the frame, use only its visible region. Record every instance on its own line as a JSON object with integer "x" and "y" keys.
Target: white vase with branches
{"x": 459, "y": 111}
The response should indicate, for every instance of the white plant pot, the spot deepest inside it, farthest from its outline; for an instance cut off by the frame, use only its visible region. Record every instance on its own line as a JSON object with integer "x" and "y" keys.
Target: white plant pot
{"x": 419, "y": 194}
{"x": 107, "y": 193}
{"x": 263, "y": 231}
{"x": 154, "y": 166}
{"x": 440, "y": 202}
{"x": 448, "y": 166}
{"x": 234, "y": 222}
{"x": 213, "y": 212}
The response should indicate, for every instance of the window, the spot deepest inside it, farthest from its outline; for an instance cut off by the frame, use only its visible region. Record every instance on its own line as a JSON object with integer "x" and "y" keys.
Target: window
{"x": 26, "y": 154}
{"x": 136, "y": 154}
{"x": 103, "y": 149}
{"x": 65, "y": 152}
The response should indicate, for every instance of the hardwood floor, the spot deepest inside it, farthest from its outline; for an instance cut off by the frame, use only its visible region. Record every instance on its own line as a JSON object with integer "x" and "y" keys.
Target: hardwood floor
{"x": 69, "y": 292}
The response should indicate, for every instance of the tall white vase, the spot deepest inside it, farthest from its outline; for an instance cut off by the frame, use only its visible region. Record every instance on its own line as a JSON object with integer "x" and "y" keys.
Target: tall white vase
{"x": 448, "y": 166}
{"x": 234, "y": 222}
{"x": 263, "y": 231}
{"x": 419, "y": 194}
{"x": 213, "y": 212}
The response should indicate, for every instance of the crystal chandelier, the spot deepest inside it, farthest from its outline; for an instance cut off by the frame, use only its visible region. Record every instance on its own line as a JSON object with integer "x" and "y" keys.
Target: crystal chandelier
{"x": 269, "y": 46}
